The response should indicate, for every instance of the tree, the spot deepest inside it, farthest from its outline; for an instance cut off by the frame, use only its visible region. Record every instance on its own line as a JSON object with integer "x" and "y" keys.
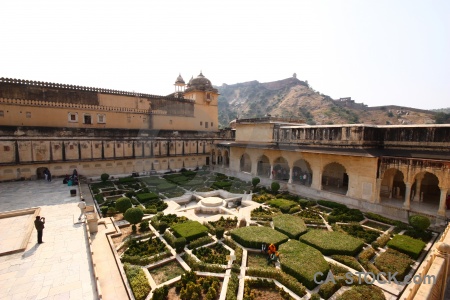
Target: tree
{"x": 420, "y": 223}
{"x": 275, "y": 187}
{"x": 219, "y": 232}
{"x": 122, "y": 204}
{"x": 104, "y": 177}
{"x": 255, "y": 181}
{"x": 134, "y": 215}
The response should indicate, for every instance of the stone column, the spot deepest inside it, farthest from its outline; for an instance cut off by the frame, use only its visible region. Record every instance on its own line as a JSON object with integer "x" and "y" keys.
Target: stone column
{"x": 442, "y": 206}
{"x": 407, "y": 203}
{"x": 417, "y": 191}
{"x": 317, "y": 180}
{"x": 391, "y": 184}
{"x": 444, "y": 252}
{"x": 271, "y": 172}
{"x": 291, "y": 170}
{"x": 378, "y": 190}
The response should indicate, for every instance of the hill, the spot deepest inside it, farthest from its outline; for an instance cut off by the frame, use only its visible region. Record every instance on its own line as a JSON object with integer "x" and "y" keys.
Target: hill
{"x": 291, "y": 97}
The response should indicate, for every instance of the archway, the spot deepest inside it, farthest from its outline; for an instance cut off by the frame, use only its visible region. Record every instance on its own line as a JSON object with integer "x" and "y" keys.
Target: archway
{"x": 245, "y": 163}
{"x": 281, "y": 169}
{"x": 301, "y": 173}
{"x": 426, "y": 188}
{"x": 335, "y": 178}
{"x": 219, "y": 157}
{"x": 226, "y": 159}
{"x": 393, "y": 185}
{"x": 263, "y": 166}
{"x": 40, "y": 172}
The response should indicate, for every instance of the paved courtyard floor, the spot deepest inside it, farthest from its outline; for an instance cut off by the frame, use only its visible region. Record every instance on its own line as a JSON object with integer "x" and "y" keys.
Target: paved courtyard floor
{"x": 60, "y": 268}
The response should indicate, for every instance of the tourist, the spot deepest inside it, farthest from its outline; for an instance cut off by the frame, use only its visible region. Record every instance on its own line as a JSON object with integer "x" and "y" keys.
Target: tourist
{"x": 82, "y": 207}
{"x": 49, "y": 178}
{"x": 39, "y": 224}
{"x": 46, "y": 174}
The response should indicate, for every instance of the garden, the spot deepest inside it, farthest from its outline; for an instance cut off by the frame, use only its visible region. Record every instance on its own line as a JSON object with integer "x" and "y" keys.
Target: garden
{"x": 311, "y": 237}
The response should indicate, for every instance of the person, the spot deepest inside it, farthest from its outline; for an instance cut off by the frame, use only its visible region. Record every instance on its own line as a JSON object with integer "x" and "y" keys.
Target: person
{"x": 75, "y": 173}
{"x": 82, "y": 207}
{"x": 66, "y": 179}
{"x": 46, "y": 174}
{"x": 49, "y": 178}
{"x": 39, "y": 224}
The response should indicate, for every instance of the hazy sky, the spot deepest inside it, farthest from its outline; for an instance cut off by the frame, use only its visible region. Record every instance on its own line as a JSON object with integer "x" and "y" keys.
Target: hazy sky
{"x": 377, "y": 52}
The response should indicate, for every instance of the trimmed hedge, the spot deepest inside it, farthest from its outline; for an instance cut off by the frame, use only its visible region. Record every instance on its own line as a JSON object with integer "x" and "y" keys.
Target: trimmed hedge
{"x": 303, "y": 262}
{"x": 200, "y": 242}
{"x": 254, "y": 237}
{"x": 345, "y": 215}
{"x": 146, "y": 197}
{"x": 348, "y": 261}
{"x": 278, "y": 203}
{"x": 392, "y": 261}
{"x": 291, "y": 226}
{"x": 407, "y": 245}
{"x": 332, "y": 242}
{"x": 190, "y": 230}
{"x": 331, "y": 204}
{"x": 363, "y": 292}
{"x": 127, "y": 180}
{"x": 285, "y": 279}
{"x": 138, "y": 281}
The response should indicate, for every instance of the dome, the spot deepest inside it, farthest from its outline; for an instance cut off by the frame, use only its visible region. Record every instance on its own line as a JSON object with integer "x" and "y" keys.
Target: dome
{"x": 200, "y": 83}
{"x": 179, "y": 79}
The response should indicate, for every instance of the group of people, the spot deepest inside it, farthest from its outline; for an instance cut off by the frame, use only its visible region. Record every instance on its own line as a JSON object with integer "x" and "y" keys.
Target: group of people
{"x": 71, "y": 180}
{"x": 271, "y": 251}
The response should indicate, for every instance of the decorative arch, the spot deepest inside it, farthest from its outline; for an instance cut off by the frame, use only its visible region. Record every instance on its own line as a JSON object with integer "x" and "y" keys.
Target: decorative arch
{"x": 426, "y": 188}
{"x": 393, "y": 184}
{"x": 263, "y": 169}
{"x": 219, "y": 157}
{"x": 302, "y": 173}
{"x": 246, "y": 163}
{"x": 281, "y": 169}
{"x": 335, "y": 178}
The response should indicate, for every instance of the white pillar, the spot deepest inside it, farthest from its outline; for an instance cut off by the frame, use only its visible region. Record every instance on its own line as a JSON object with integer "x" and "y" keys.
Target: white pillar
{"x": 291, "y": 170}
{"x": 442, "y": 204}
{"x": 407, "y": 203}
{"x": 271, "y": 172}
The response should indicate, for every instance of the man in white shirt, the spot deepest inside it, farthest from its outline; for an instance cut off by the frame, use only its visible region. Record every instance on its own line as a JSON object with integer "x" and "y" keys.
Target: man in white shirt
{"x": 82, "y": 207}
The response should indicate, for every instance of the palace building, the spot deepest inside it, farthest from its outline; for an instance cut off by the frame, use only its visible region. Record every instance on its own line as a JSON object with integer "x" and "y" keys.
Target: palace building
{"x": 392, "y": 170}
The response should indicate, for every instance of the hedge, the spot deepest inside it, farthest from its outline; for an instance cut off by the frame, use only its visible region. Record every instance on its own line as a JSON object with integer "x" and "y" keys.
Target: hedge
{"x": 254, "y": 237}
{"x": 222, "y": 185}
{"x": 363, "y": 292}
{"x": 200, "y": 242}
{"x": 138, "y": 281}
{"x": 165, "y": 186}
{"x": 281, "y": 202}
{"x": 331, "y": 204}
{"x": 233, "y": 286}
{"x": 146, "y": 197}
{"x": 345, "y": 215}
{"x": 407, "y": 245}
{"x": 190, "y": 230}
{"x": 349, "y": 261}
{"x": 303, "y": 262}
{"x": 291, "y": 226}
{"x": 285, "y": 279}
{"x": 392, "y": 261}
{"x": 332, "y": 242}
{"x": 127, "y": 179}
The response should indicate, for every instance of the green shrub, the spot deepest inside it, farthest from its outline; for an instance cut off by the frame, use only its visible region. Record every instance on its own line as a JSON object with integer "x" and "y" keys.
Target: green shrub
{"x": 407, "y": 245}
{"x": 293, "y": 210}
{"x": 104, "y": 177}
{"x": 314, "y": 296}
{"x": 179, "y": 244}
{"x": 165, "y": 186}
{"x": 303, "y": 262}
{"x": 345, "y": 215}
{"x": 134, "y": 215}
{"x": 419, "y": 222}
{"x": 356, "y": 230}
{"x": 170, "y": 239}
{"x": 224, "y": 185}
{"x": 219, "y": 232}
{"x": 255, "y": 181}
{"x": 104, "y": 210}
{"x": 122, "y": 204}
{"x": 285, "y": 279}
{"x": 99, "y": 198}
{"x": 275, "y": 186}
{"x": 144, "y": 226}
{"x": 161, "y": 293}
{"x": 127, "y": 180}
{"x": 291, "y": 226}
{"x": 200, "y": 242}
{"x": 392, "y": 261}
{"x": 233, "y": 286}
{"x": 363, "y": 292}
{"x": 331, "y": 204}
{"x": 332, "y": 242}
{"x": 254, "y": 237}
{"x": 150, "y": 211}
{"x": 190, "y": 230}
{"x": 162, "y": 226}
{"x": 138, "y": 281}
{"x": 383, "y": 240}
{"x": 111, "y": 211}
{"x": 144, "y": 197}
{"x": 367, "y": 253}
{"x": 348, "y": 261}
{"x": 327, "y": 289}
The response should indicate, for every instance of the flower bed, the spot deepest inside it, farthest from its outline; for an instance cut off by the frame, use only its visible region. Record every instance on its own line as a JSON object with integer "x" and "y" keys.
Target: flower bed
{"x": 360, "y": 232}
{"x": 332, "y": 242}
{"x": 376, "y": 225}
{"x": 166, "y": 272}
{"x": 138, "y": 281}
{"x": 291, "y": 226}
{"x": 302, "y": 262}
{"x": 392, "y": 261}
{"x": 285, "y": 279}
{"x": 227, "y": 224}
{"x": 144, "y": 197}
{"x": 215, "y": 254}
{"x": 200, "y": 242}
{"x": 190, "y": 230}
{"x": 363, "y": 292}
{"x": 407, "y": 245}
{"x": 281, "y": 202}
{"x": 254, "y": 237}
{"x": 348, "y": 261}
{"x": 145, "y": 252}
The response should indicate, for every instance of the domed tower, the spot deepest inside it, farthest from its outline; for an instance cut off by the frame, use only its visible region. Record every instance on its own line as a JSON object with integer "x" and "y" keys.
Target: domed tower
{"x": 206, "y": 97}
{"x": 179, "y": 86}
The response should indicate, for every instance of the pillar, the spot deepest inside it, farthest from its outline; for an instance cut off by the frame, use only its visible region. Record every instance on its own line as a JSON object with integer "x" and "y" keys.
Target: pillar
{"x": 443, "y": 250}
{"x": 442, "y": 207}
{"x": 391, "y": 184}
{"x": 417, "y": 191}
{"x": 378, "y": 190}
{"x": 407, "y": 203}
{"x": 317, "y": 180}
{"x": 271, "y": 172}
{"x": 291, "y": 170}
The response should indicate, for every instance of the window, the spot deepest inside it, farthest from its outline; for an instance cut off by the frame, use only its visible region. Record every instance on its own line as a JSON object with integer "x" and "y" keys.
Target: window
{"x": 87, "y": 119}
{"x": 212, "y": 124}
{"x": 201, "y": 123}
{"x": 206, "y": 124}
{"x": 208, "y": 97}
{"x": 101, "y": 118}
{"x": 129, "y": 119}
{"x": 73, "y": 117}
{"x": 28, "y": 114}
{"x": 170, "y": 121}
{"x": 2, "y": 113}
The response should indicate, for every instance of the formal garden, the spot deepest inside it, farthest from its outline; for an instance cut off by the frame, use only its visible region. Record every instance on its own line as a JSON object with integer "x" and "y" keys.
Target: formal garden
{"x": 320, "y": 245}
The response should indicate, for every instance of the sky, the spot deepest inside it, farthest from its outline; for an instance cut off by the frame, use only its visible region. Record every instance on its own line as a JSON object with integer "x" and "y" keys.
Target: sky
{"x": 384, "y": 52}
